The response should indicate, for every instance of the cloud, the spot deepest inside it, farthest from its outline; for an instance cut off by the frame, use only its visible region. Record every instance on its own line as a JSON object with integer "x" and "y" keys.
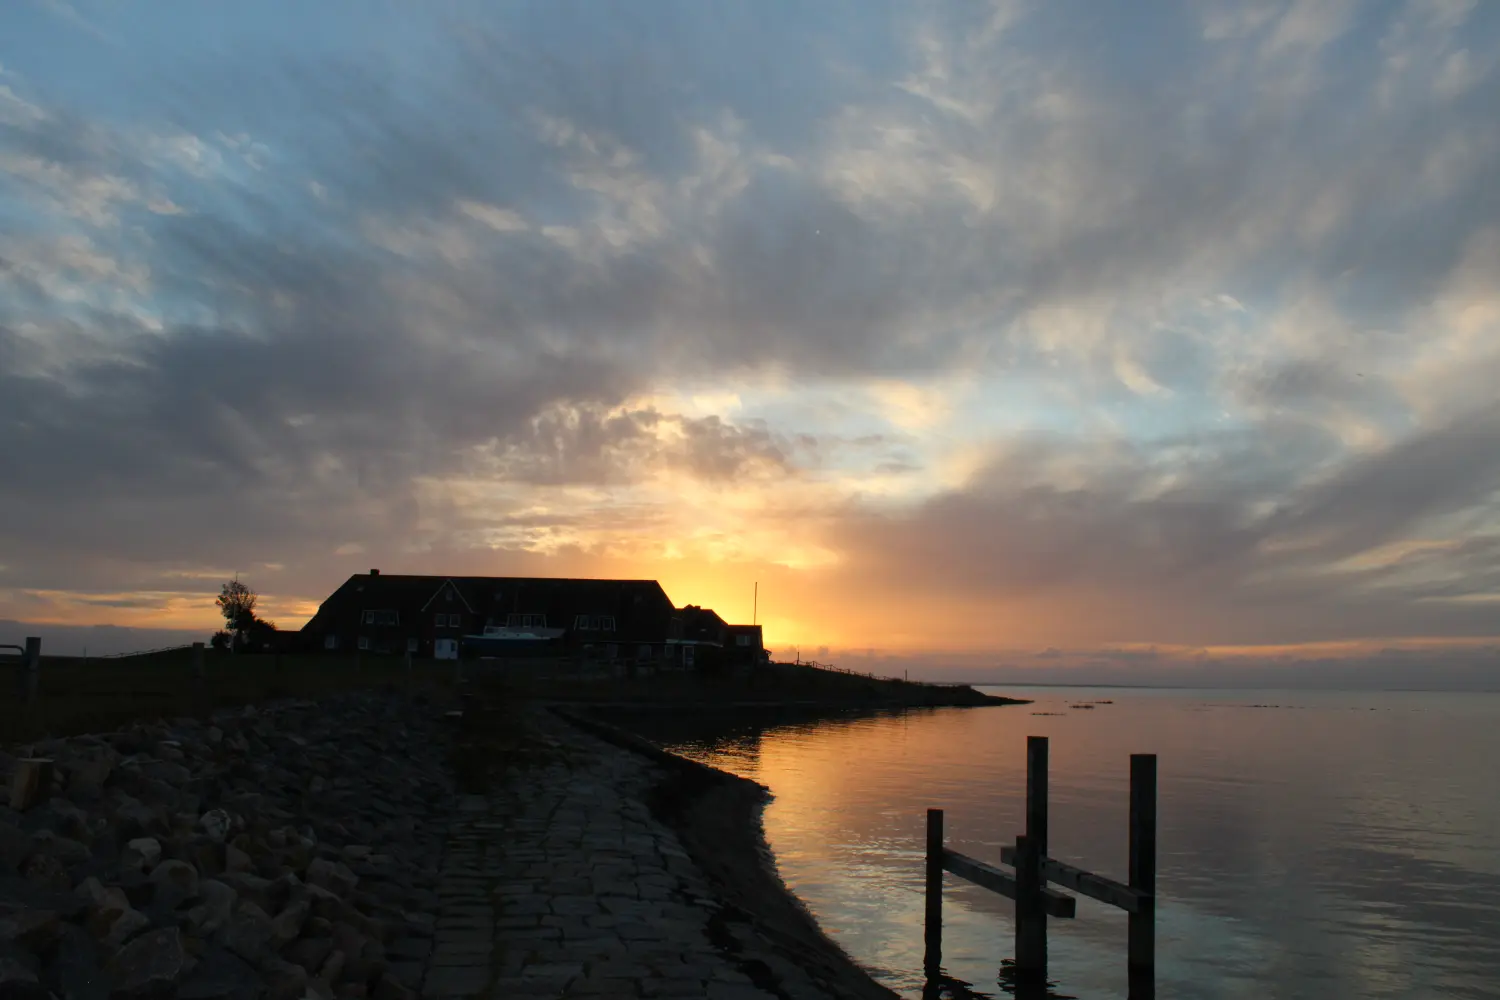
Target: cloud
{"x": 1167, "y": 340}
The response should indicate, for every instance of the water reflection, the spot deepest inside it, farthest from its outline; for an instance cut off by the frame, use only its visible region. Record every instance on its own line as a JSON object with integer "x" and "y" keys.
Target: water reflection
{"x": 1336, "y": 845}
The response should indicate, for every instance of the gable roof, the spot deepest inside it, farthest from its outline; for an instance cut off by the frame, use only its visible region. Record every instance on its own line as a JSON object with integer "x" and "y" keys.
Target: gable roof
{"x": 495, "y": 596}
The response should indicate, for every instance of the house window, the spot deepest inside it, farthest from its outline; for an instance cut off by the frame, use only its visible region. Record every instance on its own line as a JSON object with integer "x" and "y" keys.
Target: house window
{"x": 381, "y": 618}
{"x": 364, "y": 642}
{"x": 369, "y": 618}
{"x": 526, "y": 621}
{"x": 644, "y": 651}
{"x": 742, "y": 640}
{"x": 411, "y": 645}
{"x": 448, "y": 621}
{"x": 330, "y": 641}
{"x": 448, "y": 594}
{"x": 594, "y": 623}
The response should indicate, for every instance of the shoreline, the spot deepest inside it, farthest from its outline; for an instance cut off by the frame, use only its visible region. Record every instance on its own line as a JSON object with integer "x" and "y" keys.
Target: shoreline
{"x": 718, "y": 817}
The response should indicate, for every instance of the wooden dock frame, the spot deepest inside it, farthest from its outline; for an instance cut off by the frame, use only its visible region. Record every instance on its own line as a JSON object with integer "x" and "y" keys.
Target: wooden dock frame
{"x": 1034, "y": 870}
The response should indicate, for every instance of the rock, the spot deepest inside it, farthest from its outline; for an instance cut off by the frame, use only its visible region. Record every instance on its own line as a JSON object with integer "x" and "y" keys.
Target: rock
{"x": 133, "y": 818}
{"x": 287, "y": 925}
{"x": 79, "y": 973}
{"x": 176, "y": 883}
{"x": 64, "y": 849}
{"x": 216, "y": 823}
{"x": 65, "y": 818}
{"x": 333, "y": 876}
{"x": 284, "y": 980}
{"x": 141, "y": 854}
{"x": 88, "y": 777}
{"x": 47, "y": 872}
{"x": 249, "y": 933}
{"x": 357, "y": 852}
{"x": 16, "y": 846}
{"x": 221, "y": 975}
{"x": 35, "y": 930}
{"x": 236, "y": 860}
{"x": 310, "y": 953}
{"x": 150, "y": 966}
{"x": 18, "y": 982}
{"x": 215, "y": 911}
{"x": 31, "y": 782}
{"x": 391, "y": 988}
{"x": 333, "y": 967}
{"x": 251, "y": 887}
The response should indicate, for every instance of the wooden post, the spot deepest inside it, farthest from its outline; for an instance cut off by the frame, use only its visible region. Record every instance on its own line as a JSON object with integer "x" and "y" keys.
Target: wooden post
{"x": 1031, "y": 852}
{"x": 32, "y": 669}
{"x": 32, "y": 781}
{"x": 1142, "y": 946}
{"x": 932, "y": 960}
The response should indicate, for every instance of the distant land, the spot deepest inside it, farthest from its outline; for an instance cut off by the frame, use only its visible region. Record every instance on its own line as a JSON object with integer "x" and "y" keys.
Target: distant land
{"x": 1467, "y": 668}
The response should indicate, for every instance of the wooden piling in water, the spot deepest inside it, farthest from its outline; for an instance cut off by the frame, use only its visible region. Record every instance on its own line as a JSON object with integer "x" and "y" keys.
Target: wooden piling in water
{"x": 1142, "y": 927}
{"x": 932, "y": 960}
{"x": 1031, "y": 852}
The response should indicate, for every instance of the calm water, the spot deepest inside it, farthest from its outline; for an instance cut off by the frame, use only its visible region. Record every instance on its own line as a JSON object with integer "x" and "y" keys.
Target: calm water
{"x": 1312, "y": 844}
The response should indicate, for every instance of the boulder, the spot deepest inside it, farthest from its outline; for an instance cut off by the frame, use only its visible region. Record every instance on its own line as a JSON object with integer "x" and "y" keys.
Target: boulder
{"x": 216, "y": 824}
{"x": 284, "y": 980}
{"x": 16, "y": 845}
{"x": 19, "y": 981}
{"x": 80, "y": 975}
{"x": 287, "y": 925}
{"x": 249, "y": 933}
{"x": 176, "y": 883}
{"x": 221, "y": 975}
{"x": 215, "y": 910}
{"x": 310, "y": 953}
{"x": 65, "y": 849}
{"x": 37, "y": 931}
{"x": 236, "y": 860}
{"x": 333, "y": 876}
{"x": 391, "y": 988}
{"x": 141, "y": 854}
{"x": 47, "y": 872}
{"x": 150, "y": 966}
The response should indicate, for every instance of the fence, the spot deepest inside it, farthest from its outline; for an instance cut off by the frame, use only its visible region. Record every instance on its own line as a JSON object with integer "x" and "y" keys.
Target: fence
{"x": 1034, "y": 869}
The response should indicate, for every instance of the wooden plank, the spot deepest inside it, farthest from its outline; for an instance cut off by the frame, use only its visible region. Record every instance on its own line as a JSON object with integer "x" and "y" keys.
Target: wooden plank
{"x": 932, "y": 960}
{"x": 1085, "y": 883}
{"x": 1142, "y": 929}
{"x": 989, "y": 877}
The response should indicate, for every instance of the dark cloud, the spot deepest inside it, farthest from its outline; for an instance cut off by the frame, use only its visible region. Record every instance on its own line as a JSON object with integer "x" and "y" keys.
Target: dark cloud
{"x": 375, "y": 274}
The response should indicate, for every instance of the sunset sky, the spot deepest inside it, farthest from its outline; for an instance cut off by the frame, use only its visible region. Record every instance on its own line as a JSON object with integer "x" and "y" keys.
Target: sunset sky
{"x": 1047, "y": 328}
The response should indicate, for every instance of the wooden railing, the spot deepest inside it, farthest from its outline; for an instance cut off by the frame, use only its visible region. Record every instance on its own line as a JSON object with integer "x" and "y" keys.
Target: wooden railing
{"x": 1034, "y": 870}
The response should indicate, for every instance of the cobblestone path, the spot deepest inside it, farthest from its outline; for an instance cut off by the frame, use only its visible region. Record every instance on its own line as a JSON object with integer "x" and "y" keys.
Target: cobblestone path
{"x": 583, "y": 894}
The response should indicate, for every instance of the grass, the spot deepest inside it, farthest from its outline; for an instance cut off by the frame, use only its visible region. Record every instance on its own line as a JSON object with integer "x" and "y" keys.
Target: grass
{"x": 772, "y": 682}
{"x": 77, "y": 696}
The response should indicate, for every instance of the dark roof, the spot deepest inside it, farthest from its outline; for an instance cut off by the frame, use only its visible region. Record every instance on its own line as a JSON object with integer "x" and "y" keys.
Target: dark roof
{"x": 498, "y": 595}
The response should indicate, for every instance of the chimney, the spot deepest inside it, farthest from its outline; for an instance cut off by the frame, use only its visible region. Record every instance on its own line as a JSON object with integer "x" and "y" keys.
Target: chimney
{"x": 374, "y": 572}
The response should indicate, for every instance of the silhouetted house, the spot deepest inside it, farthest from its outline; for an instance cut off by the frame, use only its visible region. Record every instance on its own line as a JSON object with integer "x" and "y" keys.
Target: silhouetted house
{"x": 436, "y": 616}
{"x": 704, "y": 640}
{"x": 745, "y": 646}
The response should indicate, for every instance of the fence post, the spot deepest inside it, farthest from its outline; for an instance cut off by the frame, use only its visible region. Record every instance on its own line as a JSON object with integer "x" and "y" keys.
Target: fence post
{"x": 1031, "y": 851}
{"x": 932, "y": 960}
{"x": 32, "y": 668}
{"x": 1142, "y": 926}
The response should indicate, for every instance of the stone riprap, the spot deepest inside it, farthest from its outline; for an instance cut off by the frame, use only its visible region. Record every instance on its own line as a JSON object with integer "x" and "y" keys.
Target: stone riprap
{"x": 562, "y": 883}
{"x": 285, "y": 852}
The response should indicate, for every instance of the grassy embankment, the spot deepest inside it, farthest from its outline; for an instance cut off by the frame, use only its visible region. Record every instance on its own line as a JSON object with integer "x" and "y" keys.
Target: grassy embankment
{"x": 97, "y": 695}
{"x": 78, "y": 696}
{"x": 773, "y": 684}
